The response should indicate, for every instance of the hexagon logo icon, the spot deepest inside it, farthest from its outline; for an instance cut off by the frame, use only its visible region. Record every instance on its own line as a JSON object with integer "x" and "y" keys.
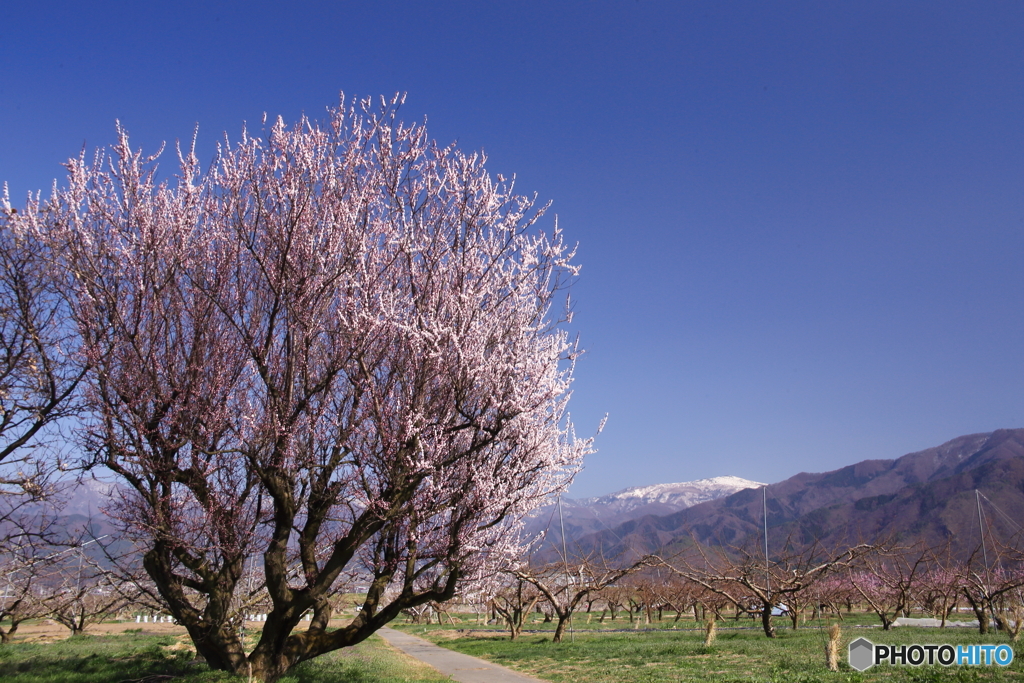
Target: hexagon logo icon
{"x": 862, "y": 654}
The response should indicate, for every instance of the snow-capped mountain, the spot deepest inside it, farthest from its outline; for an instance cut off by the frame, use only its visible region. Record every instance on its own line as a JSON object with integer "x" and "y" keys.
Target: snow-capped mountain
{"x": 679, "y": 496}
{"x": 927, "y": 498}
{"x": 586, "y": 515}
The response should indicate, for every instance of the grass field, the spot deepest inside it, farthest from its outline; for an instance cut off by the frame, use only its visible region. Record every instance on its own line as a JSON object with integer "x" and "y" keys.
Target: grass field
{"x": 662, "y": 655}
{"x": 162, "y": 659}
{"x": 611, "y": 652}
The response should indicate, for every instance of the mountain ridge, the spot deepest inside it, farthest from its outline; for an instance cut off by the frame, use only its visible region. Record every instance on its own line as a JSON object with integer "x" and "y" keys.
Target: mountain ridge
{"x": 582, "y": 516}
{"x": 918, "y": 496}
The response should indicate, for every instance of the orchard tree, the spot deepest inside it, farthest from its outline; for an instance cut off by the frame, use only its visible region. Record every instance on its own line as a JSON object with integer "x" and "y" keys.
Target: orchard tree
{"x": 81, "y": 592}
{"x": 745, "y": 578}
{"x": 336, "y": 351}
{"x": 938, "y": 587}
{"x": 991, "y": 579}
{"x": 513, "y": 600}
{"x": 565, "y": 587}
{"x": 24, "y": 568}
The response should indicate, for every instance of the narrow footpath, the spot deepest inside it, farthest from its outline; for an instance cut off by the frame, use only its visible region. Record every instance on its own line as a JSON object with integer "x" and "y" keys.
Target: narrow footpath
{"x": 460, "y": 667}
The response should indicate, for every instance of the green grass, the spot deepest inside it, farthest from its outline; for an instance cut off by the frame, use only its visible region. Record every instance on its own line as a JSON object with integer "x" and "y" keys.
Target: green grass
{"x": 622, "y": 623}
{"x": 113, "y": 659}
{"x": 86, "y": 658}
{"x": 662, "y": 656}
{"x": 657, "y": 655}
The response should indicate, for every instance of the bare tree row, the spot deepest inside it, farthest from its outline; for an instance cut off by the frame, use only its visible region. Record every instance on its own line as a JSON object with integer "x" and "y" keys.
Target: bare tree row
{"x": 888, "y": 580}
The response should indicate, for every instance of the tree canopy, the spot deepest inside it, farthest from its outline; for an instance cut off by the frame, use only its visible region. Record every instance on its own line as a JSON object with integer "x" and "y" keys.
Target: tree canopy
{"x": 332, "y": 355}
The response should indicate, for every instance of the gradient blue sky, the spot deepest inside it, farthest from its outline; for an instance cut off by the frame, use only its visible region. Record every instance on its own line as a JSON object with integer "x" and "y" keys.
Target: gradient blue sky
{"x": 801, "y": 224}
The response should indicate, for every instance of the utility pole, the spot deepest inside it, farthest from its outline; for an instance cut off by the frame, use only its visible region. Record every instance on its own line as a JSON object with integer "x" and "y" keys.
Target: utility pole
{"x": 565, "y": 563}
{"x": 767, "y": 574}
{"x": 981, "y": 526}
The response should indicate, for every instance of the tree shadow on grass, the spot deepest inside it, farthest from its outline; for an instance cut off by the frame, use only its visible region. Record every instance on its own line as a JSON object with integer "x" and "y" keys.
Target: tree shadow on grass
{"x": 152, "y": 659}
{"x": 61, "y": 666}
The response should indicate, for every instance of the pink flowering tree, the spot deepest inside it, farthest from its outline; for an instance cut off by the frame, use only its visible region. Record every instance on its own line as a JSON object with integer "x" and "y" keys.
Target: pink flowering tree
{"x": 992, "y": 580}
{"x": 834, "y": 593}
{"x": 333, "y": 353}
{"x": 938, "y": 588}
{"x": 889, "y": 580}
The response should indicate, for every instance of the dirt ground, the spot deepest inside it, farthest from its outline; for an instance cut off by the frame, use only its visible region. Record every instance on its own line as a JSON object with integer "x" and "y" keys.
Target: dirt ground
{"x": 48, "y": 631}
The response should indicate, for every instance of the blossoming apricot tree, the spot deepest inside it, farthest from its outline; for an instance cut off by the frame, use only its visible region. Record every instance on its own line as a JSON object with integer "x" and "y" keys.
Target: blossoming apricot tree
{"x": 332, "y": 353}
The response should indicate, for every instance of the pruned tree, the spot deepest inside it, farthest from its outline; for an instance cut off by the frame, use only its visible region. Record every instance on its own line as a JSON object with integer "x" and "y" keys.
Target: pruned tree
{"x": 335, "y": 351}
{"x": 17, "y": 607}
{"x": 888, "y": 579}
{"x": 24, "y": 567}
{"x": 991, "y": 580}
{"x": 513, "y": 598}
{"x": 1009, "y": 612}
{"x": 76, "y": 590}
{"x": 833, "y": 594}
{"x": 938, "y": 587}
{"x": 564, "y": 593}
{"x": 615, "y": 599}
{"x": 680, "y": 595}
{"x": 79, "y": 605}
{"x": 636, "y": 600}
{"x": 743, "y": 576}
{"x": 798, "y": 601}
{"x": 648, "y": 594}
{"x": 993, "y": 574}
{"x": 709, "y": 604}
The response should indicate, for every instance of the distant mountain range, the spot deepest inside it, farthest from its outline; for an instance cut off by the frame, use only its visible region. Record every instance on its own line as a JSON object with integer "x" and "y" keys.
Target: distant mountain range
{"x": 583, "y": 516}
{"x": 926, "y": 496}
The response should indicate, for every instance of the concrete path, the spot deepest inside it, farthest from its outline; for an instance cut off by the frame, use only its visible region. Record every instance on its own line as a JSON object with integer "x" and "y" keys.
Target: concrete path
{"x": 460, "y": 667}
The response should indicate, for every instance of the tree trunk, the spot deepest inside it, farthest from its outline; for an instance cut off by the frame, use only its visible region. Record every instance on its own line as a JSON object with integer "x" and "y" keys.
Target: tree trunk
{"x": 982, "y": 614}
{"x": 221, "y": 649}
{"x": 560, "y": 628}
{"x": 766, "y": 620}
{"x": 980, "y": 611}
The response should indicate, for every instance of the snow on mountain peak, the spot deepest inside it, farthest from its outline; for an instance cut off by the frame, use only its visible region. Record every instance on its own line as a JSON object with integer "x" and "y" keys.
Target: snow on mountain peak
{"x": 603, "y": 512}
{"x": 680, "y": 495}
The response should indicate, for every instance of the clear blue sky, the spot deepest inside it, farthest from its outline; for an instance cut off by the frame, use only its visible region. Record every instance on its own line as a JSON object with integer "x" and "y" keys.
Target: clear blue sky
{"x": 801, "y": 224}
